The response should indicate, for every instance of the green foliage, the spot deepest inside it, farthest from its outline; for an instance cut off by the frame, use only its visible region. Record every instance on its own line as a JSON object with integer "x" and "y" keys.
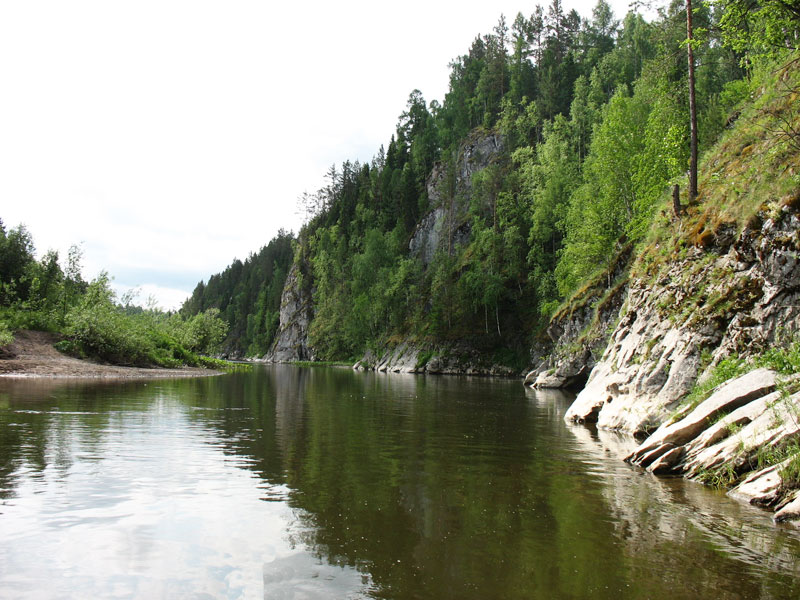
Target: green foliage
{"x": 723, "y": 476}
{"x": 100, "y": 329}
{"x": 247, "y": 297}
{"x": 16, "y": 258}
{"x": 97, "y": 327}
{"x": 547, "y": 179}
{"x": 790, "y": 472}
{"x": 424, "y": 358}
{"x": 322, "y": 363}
{"x": 6, "y": 335}
{"x": 783, "y": 359}
{"x": 762, "y": 29}
{"x": 603, "y": 209}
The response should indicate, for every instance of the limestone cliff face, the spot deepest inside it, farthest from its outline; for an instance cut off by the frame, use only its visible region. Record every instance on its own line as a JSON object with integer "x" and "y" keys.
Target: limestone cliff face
{"x": 737, "y": 296}
{"x": 291, "y": 341}
{"x": 446, "y": 226}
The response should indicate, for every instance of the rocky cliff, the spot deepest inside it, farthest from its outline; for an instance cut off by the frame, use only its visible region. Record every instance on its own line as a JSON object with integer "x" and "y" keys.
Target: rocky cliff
{"x": 737, "y": 297}
{"x": 444, "y": 229}
{"x": 702, "y": 349}
{"x": 447, "y": 226}
{"x": 291, "y": 342}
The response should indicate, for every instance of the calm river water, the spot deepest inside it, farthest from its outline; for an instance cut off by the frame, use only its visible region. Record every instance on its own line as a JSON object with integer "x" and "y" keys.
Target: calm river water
{"x": 301, "y": 483}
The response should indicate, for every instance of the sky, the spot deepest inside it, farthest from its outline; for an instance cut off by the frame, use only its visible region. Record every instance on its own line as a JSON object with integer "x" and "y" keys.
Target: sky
{"x": 169, "y": 137}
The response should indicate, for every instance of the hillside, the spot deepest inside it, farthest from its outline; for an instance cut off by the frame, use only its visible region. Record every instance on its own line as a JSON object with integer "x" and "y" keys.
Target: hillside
{"x": 455, "y": 245}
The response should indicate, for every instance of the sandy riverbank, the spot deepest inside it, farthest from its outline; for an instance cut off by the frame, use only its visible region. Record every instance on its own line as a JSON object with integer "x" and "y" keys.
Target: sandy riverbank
{"x": 32, "y": 355}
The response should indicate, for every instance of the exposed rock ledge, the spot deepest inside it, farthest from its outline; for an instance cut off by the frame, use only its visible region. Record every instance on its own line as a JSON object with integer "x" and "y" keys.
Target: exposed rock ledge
{"x": 411, "y": 357}
{"x": 745, "y": 431}
{"x": 739, "y": 295}
{"x": 291, "y": 342}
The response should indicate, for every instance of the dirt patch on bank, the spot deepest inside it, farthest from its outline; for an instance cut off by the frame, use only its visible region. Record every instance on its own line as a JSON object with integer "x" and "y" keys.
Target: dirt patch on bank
{"x": 32, "y": 355}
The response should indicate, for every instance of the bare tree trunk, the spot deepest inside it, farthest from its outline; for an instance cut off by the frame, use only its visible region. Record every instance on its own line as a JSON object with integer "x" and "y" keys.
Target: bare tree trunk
{"x": 692, "y": 106}
{"x": 676, "y": 200}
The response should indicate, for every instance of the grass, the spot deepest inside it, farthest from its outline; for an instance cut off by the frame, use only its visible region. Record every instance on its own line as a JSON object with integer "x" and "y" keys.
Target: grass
{"x": 723, "y": 476}
{"x": 790, "y": 473}
{"x": 597, "y": 289}
{"x": 785, "y": 359}
{"x": 729, "y": 473}
{"x": 423, "y": 358}
{"x": 727, "y": 369}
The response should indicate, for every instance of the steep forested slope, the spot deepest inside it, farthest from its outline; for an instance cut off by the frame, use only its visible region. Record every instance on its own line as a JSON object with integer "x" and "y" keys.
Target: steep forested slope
{"x": 247, "y": 294}
{"x": 552, "y": 152}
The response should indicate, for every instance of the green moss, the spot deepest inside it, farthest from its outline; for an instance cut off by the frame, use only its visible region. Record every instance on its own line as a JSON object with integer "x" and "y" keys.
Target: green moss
{"x": 423, "y": 358}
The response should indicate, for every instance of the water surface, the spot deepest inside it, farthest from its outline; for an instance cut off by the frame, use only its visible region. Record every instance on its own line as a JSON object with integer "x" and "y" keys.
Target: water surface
{"x": 293, "y": 482}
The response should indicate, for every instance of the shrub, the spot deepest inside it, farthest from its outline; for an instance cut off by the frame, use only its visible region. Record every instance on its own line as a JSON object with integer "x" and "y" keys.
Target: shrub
{"x": 6, "y": 336}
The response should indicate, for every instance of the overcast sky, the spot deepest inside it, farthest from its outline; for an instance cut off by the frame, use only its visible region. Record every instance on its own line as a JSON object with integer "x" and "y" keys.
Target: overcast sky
{"x": 169, "y": 137}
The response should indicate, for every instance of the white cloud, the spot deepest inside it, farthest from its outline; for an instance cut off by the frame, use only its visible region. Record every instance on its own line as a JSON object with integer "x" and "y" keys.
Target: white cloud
{"x": 172, "y": 136}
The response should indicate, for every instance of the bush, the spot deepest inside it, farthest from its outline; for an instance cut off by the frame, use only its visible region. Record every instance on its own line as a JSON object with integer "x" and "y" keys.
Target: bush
{"x": 783, "y": 360}
{"x": 96, "y": 327}
{"x": 103, "y": 331}
{"x": 6, "y": 336}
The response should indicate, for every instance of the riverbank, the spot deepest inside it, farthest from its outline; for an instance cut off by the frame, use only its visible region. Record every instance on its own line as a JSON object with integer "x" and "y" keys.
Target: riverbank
{"x": 32, "y": 354}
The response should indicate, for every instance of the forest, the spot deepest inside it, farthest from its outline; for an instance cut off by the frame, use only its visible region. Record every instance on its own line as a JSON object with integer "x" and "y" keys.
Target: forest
{"x": 593, "y": 114}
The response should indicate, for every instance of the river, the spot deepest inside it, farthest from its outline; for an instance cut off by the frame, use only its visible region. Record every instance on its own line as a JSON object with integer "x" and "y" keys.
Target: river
{"x": 305, "y": 483}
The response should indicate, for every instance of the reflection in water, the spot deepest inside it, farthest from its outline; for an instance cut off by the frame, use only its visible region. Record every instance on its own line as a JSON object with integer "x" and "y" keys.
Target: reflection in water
{"x": 324, "y": 483}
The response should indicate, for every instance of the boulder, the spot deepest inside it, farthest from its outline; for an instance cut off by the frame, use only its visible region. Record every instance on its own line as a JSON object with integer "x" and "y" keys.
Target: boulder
{"x": 771, "y": 428}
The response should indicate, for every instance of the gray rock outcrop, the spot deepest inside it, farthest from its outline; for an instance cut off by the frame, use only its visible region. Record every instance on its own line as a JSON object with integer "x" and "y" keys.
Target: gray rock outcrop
{"x": 445, "y": 359}
{"x": 291, "y": 341}
{"x": 728, "y": 397}
{"x": 578, "y": 334}
{"x": 746, "y": 431}
{"x": 447, "y": 225}
{"x": 444, "y": 229}
{"x": 735, "y": 298}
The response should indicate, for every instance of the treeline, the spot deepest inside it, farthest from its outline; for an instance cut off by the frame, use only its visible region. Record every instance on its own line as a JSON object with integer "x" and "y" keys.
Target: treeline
{"x": 46, "y": 295}
{"x": 248, "y": 297}
{"x": 594, "y": 117}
